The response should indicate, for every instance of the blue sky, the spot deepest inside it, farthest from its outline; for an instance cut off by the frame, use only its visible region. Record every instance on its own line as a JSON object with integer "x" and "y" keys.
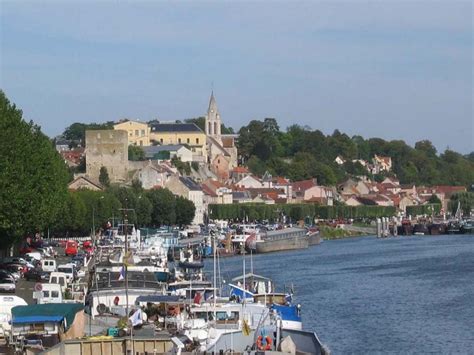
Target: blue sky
{"x": 390, "y": 69}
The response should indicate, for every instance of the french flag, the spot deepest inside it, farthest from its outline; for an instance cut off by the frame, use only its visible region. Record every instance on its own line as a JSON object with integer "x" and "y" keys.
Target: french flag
{"x": 122, "y": 274}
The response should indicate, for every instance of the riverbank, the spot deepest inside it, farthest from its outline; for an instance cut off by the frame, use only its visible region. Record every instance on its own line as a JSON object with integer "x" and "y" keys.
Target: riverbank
{"x": 329, "y": 233}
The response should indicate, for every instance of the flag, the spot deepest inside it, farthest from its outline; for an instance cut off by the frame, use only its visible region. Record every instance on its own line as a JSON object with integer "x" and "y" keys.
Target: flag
{"x": 136, "y": 318}
{"x": 197, "y": 297}
{"x": 122, "y": 273}
{"x": 245, "y": 328}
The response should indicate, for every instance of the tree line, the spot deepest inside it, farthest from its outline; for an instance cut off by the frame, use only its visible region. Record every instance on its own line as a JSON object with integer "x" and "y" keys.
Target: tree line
{"x": 86, "y": 210}
{"x": 275, "y": 212}
{"x": 301, "y": 153}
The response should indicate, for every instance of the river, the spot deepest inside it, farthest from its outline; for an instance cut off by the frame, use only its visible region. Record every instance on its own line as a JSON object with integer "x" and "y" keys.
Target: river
{"x": 368, "y": 295}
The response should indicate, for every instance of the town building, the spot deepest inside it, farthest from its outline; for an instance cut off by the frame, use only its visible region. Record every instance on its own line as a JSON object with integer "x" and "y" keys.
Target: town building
{"x": 83, "y": 183}
{"x": 138, "y": 133}
{"x": 167, "y": 152}
{"x": 187, "y": 188}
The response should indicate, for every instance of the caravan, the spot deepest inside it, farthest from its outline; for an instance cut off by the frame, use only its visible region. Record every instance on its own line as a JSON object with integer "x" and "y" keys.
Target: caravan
{"x": 6, "y": 305}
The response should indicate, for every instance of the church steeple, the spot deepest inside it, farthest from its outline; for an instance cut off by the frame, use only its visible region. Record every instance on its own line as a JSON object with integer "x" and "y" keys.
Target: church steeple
{"x": 213, "y": 119}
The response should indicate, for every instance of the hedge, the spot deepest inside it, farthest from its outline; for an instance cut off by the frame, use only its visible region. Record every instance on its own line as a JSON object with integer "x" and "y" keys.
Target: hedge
{"x": 423, "y": 209}
{"x": 259, "y": 211}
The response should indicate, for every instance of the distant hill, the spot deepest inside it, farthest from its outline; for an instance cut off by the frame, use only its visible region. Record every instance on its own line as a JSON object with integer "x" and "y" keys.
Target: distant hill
{"x": 301, "y": 153}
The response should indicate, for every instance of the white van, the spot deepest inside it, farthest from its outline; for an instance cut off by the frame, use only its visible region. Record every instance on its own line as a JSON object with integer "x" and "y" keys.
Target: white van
{"x": 48, "y": 265}
{"x": 69, "y": 270}
{"x": 50, "y": 293}
{"x": 59, "y": 278}
{"x": 6, "y": 305}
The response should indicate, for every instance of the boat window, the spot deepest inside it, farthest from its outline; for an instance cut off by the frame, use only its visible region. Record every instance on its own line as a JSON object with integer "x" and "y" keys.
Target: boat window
{"x": 54, "y": 280}
{"x": 55, "y": 294}
{"x": 45, "y": 293}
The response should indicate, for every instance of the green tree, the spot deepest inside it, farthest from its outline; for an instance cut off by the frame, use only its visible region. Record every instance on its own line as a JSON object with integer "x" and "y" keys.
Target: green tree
{"x": 434, "y": 199}
{"x": 164, "y": 207}
{"x": 33, "y": 177}
{"x": 185, "y": 211}
{"x": 104, "y": 176}
{"x": 136, "y": 153}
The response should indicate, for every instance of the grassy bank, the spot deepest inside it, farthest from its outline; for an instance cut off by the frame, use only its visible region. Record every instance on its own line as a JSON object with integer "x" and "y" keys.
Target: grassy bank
{"x": 337, "y": 233}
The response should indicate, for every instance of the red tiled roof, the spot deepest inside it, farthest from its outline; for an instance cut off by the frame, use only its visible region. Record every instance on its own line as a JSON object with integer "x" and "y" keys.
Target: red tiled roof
{"x": 240, "y": 170}
{"x": 206, "y": 190}
{"x": 227, "y": 142}
{"x": 303, "y": 185}
{"x": 281, "y": 180}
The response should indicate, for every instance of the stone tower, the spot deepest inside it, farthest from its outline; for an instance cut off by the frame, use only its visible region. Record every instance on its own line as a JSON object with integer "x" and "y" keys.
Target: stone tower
{"x": 213, "y": 120}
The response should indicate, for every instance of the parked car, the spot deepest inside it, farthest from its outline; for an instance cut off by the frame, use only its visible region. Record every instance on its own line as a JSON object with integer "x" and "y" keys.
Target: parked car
{"x": 7, "y": 285}
{"x": 36, "y": 275}
{"x": 9, "y": 275}
{"x": 71, "y": 248}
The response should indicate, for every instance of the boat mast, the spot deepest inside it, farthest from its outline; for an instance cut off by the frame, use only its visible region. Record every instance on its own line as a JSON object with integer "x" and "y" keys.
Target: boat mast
{"x": 214, "y": 251}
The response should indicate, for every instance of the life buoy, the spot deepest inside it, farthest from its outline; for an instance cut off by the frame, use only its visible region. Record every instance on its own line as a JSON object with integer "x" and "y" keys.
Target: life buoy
{"x": 268, "y": 343}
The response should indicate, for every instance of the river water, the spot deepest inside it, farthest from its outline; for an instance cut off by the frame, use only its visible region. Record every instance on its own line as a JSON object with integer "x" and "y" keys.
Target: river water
{"x": 369, "y": 295}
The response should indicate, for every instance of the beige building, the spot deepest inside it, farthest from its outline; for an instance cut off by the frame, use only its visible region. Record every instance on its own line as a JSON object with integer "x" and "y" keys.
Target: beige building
{"x": 138, "y": 133}
{"x": 187, "y": 134}
{"x": 109, "y": 149}
{"x": 187, "y": 188}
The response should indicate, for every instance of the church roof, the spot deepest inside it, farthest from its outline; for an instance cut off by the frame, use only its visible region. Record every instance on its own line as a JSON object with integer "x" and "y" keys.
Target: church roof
{"x": 218, "y": 145}
{"x": 212, "y": 103}
{"x": 174, "y": 127}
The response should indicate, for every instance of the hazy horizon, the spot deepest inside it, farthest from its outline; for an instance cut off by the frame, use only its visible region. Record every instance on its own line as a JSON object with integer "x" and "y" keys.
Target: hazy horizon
{"x": 394, "y": 70}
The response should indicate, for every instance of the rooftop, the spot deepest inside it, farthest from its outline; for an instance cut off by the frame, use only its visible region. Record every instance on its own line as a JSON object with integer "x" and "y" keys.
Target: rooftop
{"x": 175, "y": 127}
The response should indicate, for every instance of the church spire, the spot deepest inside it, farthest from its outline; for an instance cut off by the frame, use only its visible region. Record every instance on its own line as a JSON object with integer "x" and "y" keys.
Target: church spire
{"x": 213, "y": 119}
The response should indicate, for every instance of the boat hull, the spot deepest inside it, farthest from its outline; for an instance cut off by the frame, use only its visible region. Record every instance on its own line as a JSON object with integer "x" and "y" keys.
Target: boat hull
{"x": 290, "y": 243}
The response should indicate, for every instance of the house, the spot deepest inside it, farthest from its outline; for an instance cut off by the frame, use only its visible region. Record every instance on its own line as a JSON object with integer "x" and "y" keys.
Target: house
{"x": 309, "y": 191}
{"x": 238, "y": 173}
{"x": 354, "y": 187}
{"x": 73, "y": 157}
{"x": 222, "y": 192}
{"x": 407, "y": 200}
{"x": 339, "y": 160}
{"x": 283, "y": 184}
{"x": 249, "y": 181}
{"x": 83, "y": 182}
{"x": 62, "y": 145}
{"x": 138, "y": 133}
{"x": 187, "y": 188}
{"x": 179, "y": 134}
{"x": 150, "y": 177}
{"x": 380, "y": 164}
{"x": 241, "y": 197}
{"x": 443, "y": 192}
{"x": 167, "y": 152}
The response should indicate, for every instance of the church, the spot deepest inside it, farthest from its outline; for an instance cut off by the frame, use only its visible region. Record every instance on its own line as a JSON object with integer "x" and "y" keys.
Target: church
{"x": 221, "y": 148}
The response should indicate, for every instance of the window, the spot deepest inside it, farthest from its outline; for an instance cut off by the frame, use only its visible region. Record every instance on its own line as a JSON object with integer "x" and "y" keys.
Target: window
{"x": 187, "y": 140}
{"x": 161, "y": 140}
{"x": 197, "y": 140}
{"x": 136, "y": 133}
{"x": 141, "y": 143}
{"x": 55, "y": 294}
{"x": 143, "y": 132}
{"x": 45, "y": 293}
{"x": 209, "y": 129}
{"x": 179, "y": 140}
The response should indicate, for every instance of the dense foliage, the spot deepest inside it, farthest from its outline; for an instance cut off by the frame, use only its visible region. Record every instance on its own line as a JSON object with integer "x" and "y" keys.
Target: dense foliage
{"x": 253, "y": 211}
{"x": 301, "y": 153}
{"x": 465, "y": 199}
{"x": 136, "y": 153}
{"x": 423, "y": 210}
{"x": 77, "y": 131}
{"x": 33, "y": 177}
{"x": 86, "y": 209}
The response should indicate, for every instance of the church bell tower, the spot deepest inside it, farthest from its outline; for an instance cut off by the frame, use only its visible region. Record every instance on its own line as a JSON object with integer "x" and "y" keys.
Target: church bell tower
{"x": 213, "y": 120}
